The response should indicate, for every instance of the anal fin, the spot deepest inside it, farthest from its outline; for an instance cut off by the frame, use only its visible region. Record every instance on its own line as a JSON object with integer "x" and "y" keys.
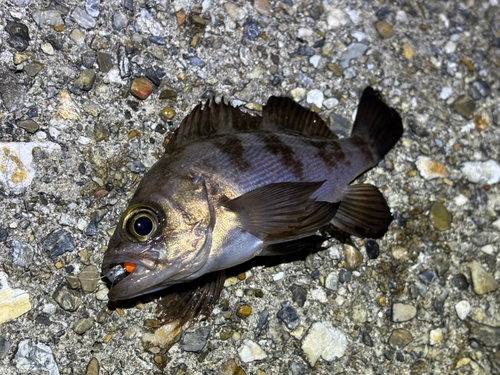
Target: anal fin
{"x": 363, "y": 212}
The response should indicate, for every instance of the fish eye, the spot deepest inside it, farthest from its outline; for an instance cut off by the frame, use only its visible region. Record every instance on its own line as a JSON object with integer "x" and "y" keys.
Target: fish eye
{"x": 139, "y": 223}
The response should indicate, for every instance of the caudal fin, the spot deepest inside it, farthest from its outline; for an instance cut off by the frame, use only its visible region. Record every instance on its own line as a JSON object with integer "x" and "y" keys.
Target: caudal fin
{"x": 377, "y": 123}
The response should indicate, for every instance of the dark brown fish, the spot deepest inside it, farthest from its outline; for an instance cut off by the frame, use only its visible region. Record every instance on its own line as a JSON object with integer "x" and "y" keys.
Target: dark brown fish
{"x": 232, "y": 187}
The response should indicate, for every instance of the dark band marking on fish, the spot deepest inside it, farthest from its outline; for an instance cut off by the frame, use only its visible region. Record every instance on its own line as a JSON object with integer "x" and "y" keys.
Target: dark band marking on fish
{"x": 363, "y": 148}
{"x": 277, "y": 147}
{"x": 233, "y": 148}
{"x": 330, "y": 152}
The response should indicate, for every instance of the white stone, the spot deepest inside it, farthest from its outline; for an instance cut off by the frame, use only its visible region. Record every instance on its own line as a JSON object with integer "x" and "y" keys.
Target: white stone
{"x": 488, "y": 249}
{"x": 324, "y": 340}
{"x": 335, "y": 17}
{"x": 47, "y": 48}
{"x": 13, "y": 302}
{"x": 234, "y": 12}
{"x": 31, "y": 357}
{"x": 298, "y": 94}
{"x": 450, "y": 47}
{"x": 401, "y": 16}
{"x": 402, "y": 312}
{"x": 446, "y": 92}
{"x": 360, "y": 36}
{"x": 315, "y": 60}
{"x": 278, "y": 276}
{"x": 304, "y": 33}
{"x": 315, "y": 97}
{"x": 17, "y": 170}
{"x": 331, "y": 103}
{"x": 435, "y": 336}
{"x": 461, "y": 200}
{"x": 250, "y": 352}
{"x": 429, "y": 168}
{"x": 319, "y": 295}
{"x": 485, "y": 172}
{"x": 463, "y": 309}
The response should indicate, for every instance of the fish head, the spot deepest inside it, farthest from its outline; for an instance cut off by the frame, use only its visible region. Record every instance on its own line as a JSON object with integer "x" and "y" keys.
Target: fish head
{"x": 165, "y": 232}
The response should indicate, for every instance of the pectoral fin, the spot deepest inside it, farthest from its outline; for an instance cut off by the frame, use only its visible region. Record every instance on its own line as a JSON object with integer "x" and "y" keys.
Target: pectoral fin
{"x": 282, "y": 211}
{"x": 363, "y": 212}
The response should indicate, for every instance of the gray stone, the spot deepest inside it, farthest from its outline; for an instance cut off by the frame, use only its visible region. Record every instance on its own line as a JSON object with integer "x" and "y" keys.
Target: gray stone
{"x": 86, "y": 80}
{"x": 88, "y": 58}
{"x": 89, "y": 278}
{"x": 58, "y": 243}
{"x": 31, "y": 356}
{"x": 83, "y": 19}
{"x": 353, "y": 51}
{"x": 402, "y": 312}
{"x": 21, "y": 253}
{"x": 289, "y": 316}
{"x": 120, "y": 20}
{"x": 136, "y": 166}
{"x": 12, "y": 92}
{"x": 195, "y": 341}
{"x": 438, "y": 302}
{"x": 83, "y": 325}
{"x": 299, "y": 294}
{"x": 47, "y": 18}
{"x": 92, "y": 7}
{"x": 105, "y": 62}
{"x": 484, "y": 334}
{"x": 465, "y": 106}
{"x": 123, "y": 62}
{"x": 427, "y": 277}
{"x": 479, "y": 89}
{"x": 4, "y": 347}
{"x": 68, "y": 299}
{"x": 19, "y": 35}
{"x": 400, "y": 338}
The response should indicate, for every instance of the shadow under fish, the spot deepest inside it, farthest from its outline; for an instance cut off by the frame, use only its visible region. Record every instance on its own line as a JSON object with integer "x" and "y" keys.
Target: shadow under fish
{"x": 232, "y": 187}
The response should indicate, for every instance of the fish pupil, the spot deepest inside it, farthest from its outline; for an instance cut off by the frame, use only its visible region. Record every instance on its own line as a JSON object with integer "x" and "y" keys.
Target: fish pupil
{"x": 143, "y": 226}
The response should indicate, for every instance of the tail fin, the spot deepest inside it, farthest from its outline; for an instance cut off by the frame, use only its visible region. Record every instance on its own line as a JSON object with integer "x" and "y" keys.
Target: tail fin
{"x": 377, "y": 123}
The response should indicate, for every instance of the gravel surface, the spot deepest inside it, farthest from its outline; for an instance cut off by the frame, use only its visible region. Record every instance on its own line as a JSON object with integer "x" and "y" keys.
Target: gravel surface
{"x": 90, "y": 89}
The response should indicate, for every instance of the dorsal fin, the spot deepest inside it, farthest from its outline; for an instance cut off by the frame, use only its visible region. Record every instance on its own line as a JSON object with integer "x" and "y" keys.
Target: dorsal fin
{"x": 211, "y": 119}
{"x": 284, "y": 113}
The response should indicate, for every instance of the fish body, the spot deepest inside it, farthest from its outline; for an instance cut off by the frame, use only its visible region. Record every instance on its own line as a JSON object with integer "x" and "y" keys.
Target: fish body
{"x": 232, "y": 186}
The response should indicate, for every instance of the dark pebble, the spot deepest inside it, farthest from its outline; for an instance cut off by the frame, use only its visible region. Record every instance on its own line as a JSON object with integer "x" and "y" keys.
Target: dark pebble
{"x": 207, "y": 94}
{"x": 171, "y": 94}
{"x": 21, "y": 253}
{"x": 251, "y": 29}
{"x": 400, "y": 357}
{"x": 58, "y": 243}
{"x": 82, "y": 169}
{"x": 136, "y": 166}
{"x": 91, "y": 229}
{"x": 19, "y": 35}
{"x": 479, "y": 89}
{"x": 157, "y": 40}
{"x": 299, "y": 294}
{"x": 33, "y": 112}
{"x": 319, "y": 43}
{"x": 88, "y": 58}
{"x": 295, "y": 368}
{"x": 389, "y": 354}
{"x": 55, "y": 42}
{"x": 315, "y": 274}
{"x": 4, "y": 347}
{"x": 155, "y": 74}
{"x": 496, "y": 43}
{"x": 3, "y": 234}
{"x": 427, "y": 277}
{"x": 123, "y": 62}
{"x": 372, "y": 249}
{"x": 86, "y": 80}
{"x": 12, "y": 94}
{"x": 68, "y": 299}
{"x": 438, "y": 302}
{"x": 275, "y": 59}
{"x": 276, "y": 81}
{"x": 484, "y": 334}
{"x": 194, "y": 60}
{"x": 303, "y": 50}
{"x": 105, "y": 62}
{"x": 367, "y": 339}
{"x": 344, "y": 276}
{"x": 460, "y": 281}
{"x": 195, "y": 341}
{"x": 29, "y": 125}
{"x": 289, "y": 316}
{"x": 128, "y": 4}
{"x": 44, "y": 319}
{"x": 262, "y": 323}
{"x": 383, "y": 13}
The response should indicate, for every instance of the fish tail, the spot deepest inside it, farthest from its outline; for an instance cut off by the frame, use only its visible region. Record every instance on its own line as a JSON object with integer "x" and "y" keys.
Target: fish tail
{"x": 377, "y": 124}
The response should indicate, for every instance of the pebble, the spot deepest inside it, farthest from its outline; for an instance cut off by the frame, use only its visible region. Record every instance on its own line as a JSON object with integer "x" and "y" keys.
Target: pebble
{"x": 335, "y": 18}
{"x": 352, "y": 257}
{"x": 357, "y": 312}
{"x": 495, "y": 362}
{"x": 48, "y": 49}
{"x": 19, "y": 35}
{"x": 372, "y": 249}
{"x": 228, "y": 368}
{"x": 427, "y": 277}
{"x": 399, "y": 338}
{"x": 315, "y": 61}
{"x": 383, "y": 13}
{"x": 440, "y": 217}
{"x": 243, "y": 311}
{"x": 330, "y": 103}
{"x": 136, "y": 166}
{"x": 289, "y": 316}
{"x": 4, "y": 347}
{"x": 483, "y": 282}
{"x": 438, "y": 302}
{"x": 484, "y": 172}
{"x": 407, "y": 51}
{"x": 92, "y": 7}
{"x": 68, "y": 299}
{"x": 120, "y": 20}
{"x": 13, "y": 302}
{"x": 31, "y": 357}
{"x": 402, "y": 312}
{"x": 88, "y": 58}
{"x": 105, "y": 62}
{"x": 89, "y": 278}
{"x": 298, "y": 94}
{"x": 345, "y": 276}
{"x": 479, "y": 89}
{"x": 58, "y": 243}
{"x": 331, "y": 281}
{"x": 141, "y": 88}
{"x": 21, "y": 253}
{"x": 33, "y": 68}
{"x": 353, "y": 51}
{"x": 315, "y": 97}
{"x": 430, "y": 169}
{"x": 465, "y": 106}
{"x": 3, "y": 234}
{"x": 83, "y": 325}
{"x": 82, "y": 18}
{"x": 195, "y": 341}
{"x": 460, "y": 281}
{"x": 463, "y": 309}
{"x": 29, "y": 125}
{"x": 86, "y": 80}
{"x": 167, "y": 113}
{"x": 250, "y": 352}
{"x": 251, "y": 29}
{"x": 93, "y": 367}
{"x": 196, "y": 61}
{"x": 261, "y": 324}
{"x": 234, "y": 12}
{"x": 484, "y": 334}
{"x": 263, "y": 7}
{"x": 384, "y": 28}
{"x": 145, "y": 23}
{"x": 299, "y": 295}
{"x": 445, "y": 93}
{"x": 435, "y": 336}
{"x": 324, "y": 340}
{"x": 47, "y": 18}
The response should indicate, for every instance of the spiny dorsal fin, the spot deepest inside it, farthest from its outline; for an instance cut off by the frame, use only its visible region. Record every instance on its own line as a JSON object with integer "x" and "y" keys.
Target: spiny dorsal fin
{"x": 284, "y": 113}
{"x": 211, "y": 119}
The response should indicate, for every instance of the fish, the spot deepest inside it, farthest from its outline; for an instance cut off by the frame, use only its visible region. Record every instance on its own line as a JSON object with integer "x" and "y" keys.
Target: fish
{"x": 233, "y": 186}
